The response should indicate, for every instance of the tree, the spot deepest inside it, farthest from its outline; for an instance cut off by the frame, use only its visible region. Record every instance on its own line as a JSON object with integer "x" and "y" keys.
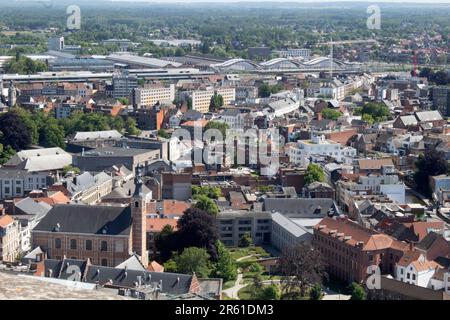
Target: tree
{"x": 163, "y": 134}
{"x": 331, "y": 114}
{"x": 15, "y": 133}
{"x": 6, "y": 153}
{"x": 264, "y": 90}
{"x": 378, "y": 111}
{"x": 210, "y": 192}
{"x": 316, "y": 292}
{"x": 124, "y": 101}
{"x": 206, "y": 204}
{"x": 165, "y": 242}
{"x": 24, "y": 65}
{"x": 70, "y": 168}
{"x": 131, "y": 127}
{"x": 225, "y": 267}
{"x": 216, "y": 102}
{"x": 170, "y": 266}
{"x": 314, "y": 173}
{"x": 221, "y": 126}
{"x": 197, "y": 228}
{"x": 357, "y": 292}
{"x": 52, "y": 135}
{"x": 301, "y": 267}
{"x": 245, "y": 240}
{"x": 432, "y": 163}
{"x": 193, "y": 260}
{"x": 271, "y": 292}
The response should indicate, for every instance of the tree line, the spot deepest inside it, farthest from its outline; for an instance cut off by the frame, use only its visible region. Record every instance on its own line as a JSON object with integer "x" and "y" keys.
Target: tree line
{"x": 20, "y": 129}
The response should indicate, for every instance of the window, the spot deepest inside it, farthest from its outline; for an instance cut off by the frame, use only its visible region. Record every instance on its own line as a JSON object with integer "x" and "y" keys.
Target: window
{"x": 408, "y": 275}
{"x": 119, "y": 246}
{"x": 401, "y": 271}
{"x": 89, "y": 245}
{"x": 58, "y": 243}
{"x": 414, "y": 277}
{"x": 73, "y": 244}
{"x": 104, "y": 262}
{"x": 104, "y": 246}
{"x": 371, "y": 258}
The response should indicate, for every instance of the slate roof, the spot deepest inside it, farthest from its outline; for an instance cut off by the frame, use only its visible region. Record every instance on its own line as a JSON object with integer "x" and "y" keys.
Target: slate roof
{"x": 171, "y": 283}
{"x": 30, "y": 206}
{"x": 304, "y": 207}
{"x": 428, "y": 241}
{"x": 87, "y": 220}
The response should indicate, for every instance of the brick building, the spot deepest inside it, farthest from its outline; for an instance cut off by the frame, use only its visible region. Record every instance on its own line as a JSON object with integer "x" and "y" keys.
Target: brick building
{"x": 106, "y": 235}
{"x": 349, "y": 249}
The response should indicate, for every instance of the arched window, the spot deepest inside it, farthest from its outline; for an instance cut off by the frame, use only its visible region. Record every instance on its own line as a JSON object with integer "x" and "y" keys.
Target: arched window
{"x": 136, "y": 204}
{"x": 89, "y": 245}
{"x": 104, "y": 262}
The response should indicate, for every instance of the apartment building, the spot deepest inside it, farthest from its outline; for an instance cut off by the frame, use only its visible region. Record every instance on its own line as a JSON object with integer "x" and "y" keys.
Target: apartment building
{"x": 201, "y": 99}
{"x": 123, "y": 85}
{"x": 15, "y": 183}
{"x": 9, "y": 238}
{"x": 148, "y": 97}
{"x": 318, "y": 145}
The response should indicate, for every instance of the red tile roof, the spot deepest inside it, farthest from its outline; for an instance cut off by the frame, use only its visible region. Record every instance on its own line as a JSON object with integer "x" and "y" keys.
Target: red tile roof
{"x": 352, "y": 233}
{"x": 157, "y": 224}
{"x": 5, "y": 221}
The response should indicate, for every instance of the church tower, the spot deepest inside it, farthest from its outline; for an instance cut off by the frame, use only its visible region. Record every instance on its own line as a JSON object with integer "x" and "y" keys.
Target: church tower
{"x": 12, "y": 95}
{"x": 138, "y": 212}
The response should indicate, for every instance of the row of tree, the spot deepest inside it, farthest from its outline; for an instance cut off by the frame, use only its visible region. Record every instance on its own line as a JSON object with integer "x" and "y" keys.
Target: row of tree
{"x": 195, "y": 247}
{"x": 20, "y": 129}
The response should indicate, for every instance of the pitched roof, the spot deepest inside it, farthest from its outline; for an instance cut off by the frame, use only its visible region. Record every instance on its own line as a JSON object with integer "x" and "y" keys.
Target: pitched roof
{"x": 155, "y": 267}
{"x": 433, "y": 115}
{"x": 5, "y": 221}
{"x": 418, "y": 260}
{"x": 352, "y": 233}
{"x": 374, "y": 164}
{"x": 305, "y": 207}
{"x": 87, "y": 219}
{"x": 157, "y": 224}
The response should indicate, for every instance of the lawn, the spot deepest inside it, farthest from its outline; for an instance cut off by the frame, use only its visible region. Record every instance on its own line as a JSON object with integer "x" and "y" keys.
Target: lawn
{"x": 237, "y": 253}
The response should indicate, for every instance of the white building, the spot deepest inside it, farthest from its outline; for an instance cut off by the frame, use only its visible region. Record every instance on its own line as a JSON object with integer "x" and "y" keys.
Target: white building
{"x": 151, "y": 95}
{"x": 414, "y": 268}
{"x": 201, "y": 99}
{"x": 9, "y": 238}
{"x": 387, "y": 184}
{"x": 16, "y": 183}
{"x": 301, "y": 152}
